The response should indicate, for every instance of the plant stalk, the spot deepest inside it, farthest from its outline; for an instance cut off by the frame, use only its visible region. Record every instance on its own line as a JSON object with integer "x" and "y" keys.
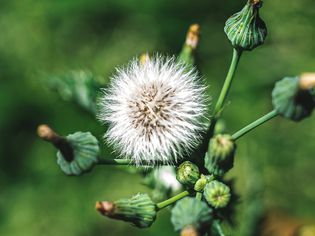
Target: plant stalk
{"x": 254, "y": 124}
{"x": 113, "y": 162}
{"x": 227, "y": 83}
{"x": 218, "y": 227}
{"x": 172, "y": 200}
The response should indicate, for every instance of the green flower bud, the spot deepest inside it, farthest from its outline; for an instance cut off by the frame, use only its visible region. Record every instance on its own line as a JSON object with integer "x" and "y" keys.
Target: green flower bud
{"x": 187, "y": 174}
{"x": 191, "y": 43}
{"x": 220, "y": 156}
{"x": 217, "y": 194}
{"x": 85, "y": 154}
{"x": 201, "y": 183}
{"x": 139, "y": 210}
{"x": 292, "y": 98}
{"x": 190, "y": 212}
{"x": 245, "y": 29}
{"x": 77, "y": 153}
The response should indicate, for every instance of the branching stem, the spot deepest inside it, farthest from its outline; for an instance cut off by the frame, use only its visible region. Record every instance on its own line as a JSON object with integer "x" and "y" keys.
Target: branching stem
{"x": 254, "y": 124}
{"x": 172, "y": 200}
{"x": 113, "y": 162}
{"x": 227, "y": 83}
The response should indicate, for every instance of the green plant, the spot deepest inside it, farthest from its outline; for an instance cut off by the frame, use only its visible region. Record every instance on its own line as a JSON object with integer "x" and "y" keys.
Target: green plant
{"x": 192, "y": 141}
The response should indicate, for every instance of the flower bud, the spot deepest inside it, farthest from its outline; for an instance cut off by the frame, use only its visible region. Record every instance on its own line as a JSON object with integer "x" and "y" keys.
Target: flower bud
{"x": 245, "y": 29}
{"x": 139, "y": 210}
{"x": 191, "y": 43}
{"x": 201, "y": 183}
{"x": 189, "y": 231}
{"x": 77, "y": 153}
{"x": 85, "y": 154}
{"x": 187, "y": 174}
{"x": 293, "y": 97}
{"x": 190, "y": 212}
{"x": 220, "y": 156}
{"x": 217, "y": 194}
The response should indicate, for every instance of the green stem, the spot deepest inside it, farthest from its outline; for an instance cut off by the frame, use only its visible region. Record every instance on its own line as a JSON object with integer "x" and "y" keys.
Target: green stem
{"x": 172, "y": 200}
{"x": 113, "y": 162}
{"x": 218, "y": 227}
{"x": 199, "y": 196}
{"x": 123, "y": 162}
{"x": 255, "y": 124}
{"x": 228, "y": 82}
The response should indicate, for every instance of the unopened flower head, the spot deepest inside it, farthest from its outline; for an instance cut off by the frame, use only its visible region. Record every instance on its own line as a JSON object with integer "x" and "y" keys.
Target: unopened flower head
{"x": 155, "y": 110}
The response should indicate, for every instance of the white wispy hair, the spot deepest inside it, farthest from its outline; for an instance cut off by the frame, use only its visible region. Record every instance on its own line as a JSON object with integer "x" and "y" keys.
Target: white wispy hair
{"x": 155, "y": 110}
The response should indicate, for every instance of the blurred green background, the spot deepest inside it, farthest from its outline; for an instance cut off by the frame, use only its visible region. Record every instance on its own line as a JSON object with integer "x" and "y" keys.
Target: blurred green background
{"x": 274, "y": 165}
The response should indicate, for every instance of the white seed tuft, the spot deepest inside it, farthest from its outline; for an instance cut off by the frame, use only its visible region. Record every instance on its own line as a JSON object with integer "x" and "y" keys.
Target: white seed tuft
{"x": 155, "y": 110}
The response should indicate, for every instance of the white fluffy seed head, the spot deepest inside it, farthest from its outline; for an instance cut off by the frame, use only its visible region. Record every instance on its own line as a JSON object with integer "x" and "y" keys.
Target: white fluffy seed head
{"x": 155, "y": 110}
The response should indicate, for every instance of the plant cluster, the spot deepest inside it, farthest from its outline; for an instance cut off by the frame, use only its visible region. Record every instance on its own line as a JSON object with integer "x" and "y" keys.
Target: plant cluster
{"x": 157, "y": 116}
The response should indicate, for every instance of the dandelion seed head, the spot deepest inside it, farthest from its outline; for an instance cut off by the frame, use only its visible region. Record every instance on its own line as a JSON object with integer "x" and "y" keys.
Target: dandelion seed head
{"x": 154, "y": 109}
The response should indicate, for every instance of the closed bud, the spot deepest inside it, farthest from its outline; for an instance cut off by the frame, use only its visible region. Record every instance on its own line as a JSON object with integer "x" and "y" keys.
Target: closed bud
{"x": 187, "y": 54}
{"x": 201, "y": 183}
{"x": 293, "y": 97}
{"x": 77, "y": 152}
{"x": 139, "y": 210}
{"x": 187, "y": 174}
{"x": 217, "y": 194}
{"x": 245, "y": 29}
{"x": 220, "y": 156}
{"x": 190, "y": 213}
{"x": 189, "y": 231}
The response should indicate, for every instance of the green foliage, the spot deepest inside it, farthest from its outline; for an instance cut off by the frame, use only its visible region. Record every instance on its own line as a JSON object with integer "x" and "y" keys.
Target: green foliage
{"x": 78, "y": 86}
{"x": 60, "y": 36}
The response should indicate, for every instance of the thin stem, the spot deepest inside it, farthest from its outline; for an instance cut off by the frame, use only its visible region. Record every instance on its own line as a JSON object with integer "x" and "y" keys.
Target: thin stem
{"x": 199, "y": 196}
{"x": 172, "y": 200}
{"x": 218, "y": 227}
{"x": 228, "y": 82}
{"x": 126, "y": 162}
{"x": 255, "y": 124}
{"x": 113, "y": 162}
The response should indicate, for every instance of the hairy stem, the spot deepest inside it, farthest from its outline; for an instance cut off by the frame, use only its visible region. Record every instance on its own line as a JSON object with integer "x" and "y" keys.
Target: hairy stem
{"x": 254, "y": 124}
{"x": 227, "y": 83}
{"x": 172, "y": 200}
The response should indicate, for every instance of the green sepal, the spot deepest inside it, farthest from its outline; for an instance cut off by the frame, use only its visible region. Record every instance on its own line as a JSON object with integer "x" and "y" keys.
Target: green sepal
{"x": 217, "y": 194}
{"x": 220, "y": 156}
{"x": 191, "y": 212}
{"x": 85, "y": 151}
{"x": 187, "y": 174}
{"x": 292, "y": 102}
{"x": 245, "y": 29}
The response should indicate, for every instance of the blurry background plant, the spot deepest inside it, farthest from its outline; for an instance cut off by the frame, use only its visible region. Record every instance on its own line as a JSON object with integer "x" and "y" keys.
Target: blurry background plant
{"x": 60, "y": 36}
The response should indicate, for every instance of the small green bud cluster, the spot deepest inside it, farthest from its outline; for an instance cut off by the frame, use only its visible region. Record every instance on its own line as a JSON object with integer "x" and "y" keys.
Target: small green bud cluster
{"x": 139, "y": 210}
